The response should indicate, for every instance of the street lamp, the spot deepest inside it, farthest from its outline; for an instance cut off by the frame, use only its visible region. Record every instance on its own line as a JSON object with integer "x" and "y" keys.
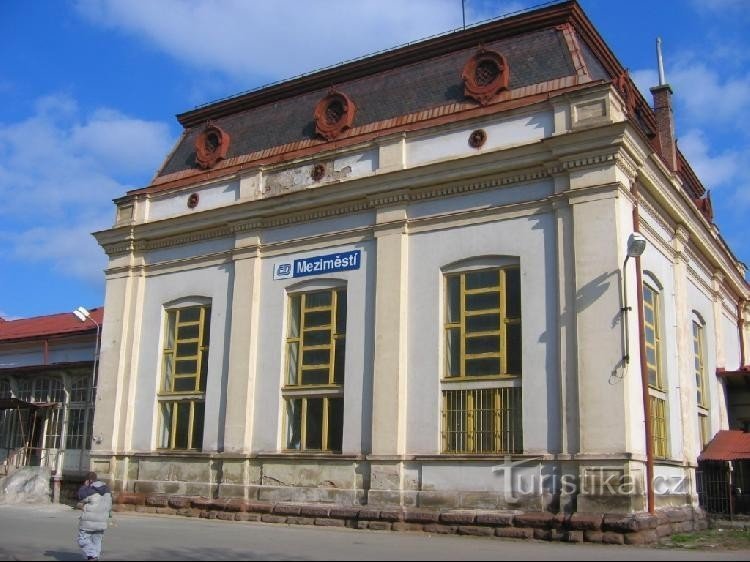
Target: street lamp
{"x": 636, "y": 247}
{"x": 83, "y": 315}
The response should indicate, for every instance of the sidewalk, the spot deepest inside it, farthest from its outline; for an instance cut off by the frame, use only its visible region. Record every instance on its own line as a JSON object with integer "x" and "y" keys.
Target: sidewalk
{"x": 48, "y": 533}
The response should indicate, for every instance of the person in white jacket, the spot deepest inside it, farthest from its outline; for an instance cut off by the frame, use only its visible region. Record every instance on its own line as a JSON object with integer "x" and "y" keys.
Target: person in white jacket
{"x": 95, "y": 498}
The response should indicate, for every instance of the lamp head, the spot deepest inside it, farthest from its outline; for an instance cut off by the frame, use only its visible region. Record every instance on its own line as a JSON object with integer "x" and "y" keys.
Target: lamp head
{"x": 82, "y": 314}
{"x": 636, "y": 245}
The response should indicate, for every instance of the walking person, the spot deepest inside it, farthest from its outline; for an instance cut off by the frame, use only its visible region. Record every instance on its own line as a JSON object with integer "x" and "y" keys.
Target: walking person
{"x": 95, "y": 499}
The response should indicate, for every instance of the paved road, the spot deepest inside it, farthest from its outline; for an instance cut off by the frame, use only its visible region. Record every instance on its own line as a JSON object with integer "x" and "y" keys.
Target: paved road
{"x": 48, "y": 533}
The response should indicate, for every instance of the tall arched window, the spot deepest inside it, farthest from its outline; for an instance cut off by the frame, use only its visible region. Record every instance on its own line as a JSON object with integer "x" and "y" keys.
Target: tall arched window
{"x": 483, "y": 358}
{"x": 313, "y": 388}
{"x": 653, "y": 330}
{"x": 701, "y": 380}
{"x": 184, "y": 372}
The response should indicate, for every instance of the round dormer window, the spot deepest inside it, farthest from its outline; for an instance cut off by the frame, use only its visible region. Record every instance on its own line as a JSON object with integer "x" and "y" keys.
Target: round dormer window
{"x": 485, "y": 75}
{"x": 334, "y": 114}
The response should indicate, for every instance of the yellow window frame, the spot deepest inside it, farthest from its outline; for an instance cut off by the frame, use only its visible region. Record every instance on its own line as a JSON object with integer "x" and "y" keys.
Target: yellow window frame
{"x": 461, "y": 324}
{"x": 467, "y": 431}
{"x": 336, "y": 338}
{"x": 659, "y": 433}
{"x": 700, "y": 366}
{"x": 174, "y": 418}
{"x": 171, "y": 355}
{"x": 652, "y": 335}
{"x": 325, "y": 426}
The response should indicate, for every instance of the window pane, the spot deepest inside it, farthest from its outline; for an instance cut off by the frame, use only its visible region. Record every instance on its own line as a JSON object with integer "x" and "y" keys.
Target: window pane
{"x": 338, "y": 367}
{"x": 317, "y": 337}
{"x": 315, "y": 376}
{"x": 187, "y": 367}
{"x": 314, "y": 424}
{"x": 293, "y": 423}
{"x": 650, "y": 335}
{"x": 171, "y": 315}
{"x": 481, "y": 367}
{"x": 316, "y": 357}
{"x": 166, "y": 425}
{"x": 192, "y": 314}
{"x": 482, "y": 301}
{"x": 649, "y": 315}
{"x": 187, "y": 349}
{"x": 204, "y": 370}
{"x": 183, "y": 425}
{"x": 185, "y": 384}
{"x": 648, "y": 295}
{"x": 483, "y": 323}
{"x": 319, "y": 318}
{"x": 483, "y": 344}
{"x": 454, "y": 298}
{"x": 57, "y": 390}
{"x": 513, "y": 292}
{"x": 335, "y": 423}
{"x": 188, "y": 332}
{"x": 652, "y": 380}
{"x": 317, "y": 299}
{"x": 198, "y": 422}
{"x": 482, "y": 279}
{"x": 291, "y": 360}
{"x": 206, "y": 327}
{"x": 294, "y": 315}
{"x": 513, "y": 341}
{"x": 341, "y": 311}
{"x": 453, "y": 352}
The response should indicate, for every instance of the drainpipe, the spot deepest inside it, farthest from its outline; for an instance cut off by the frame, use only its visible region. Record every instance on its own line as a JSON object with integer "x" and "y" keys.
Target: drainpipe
{"x": 644, "y": 365}
{"x": 741, "y": 328}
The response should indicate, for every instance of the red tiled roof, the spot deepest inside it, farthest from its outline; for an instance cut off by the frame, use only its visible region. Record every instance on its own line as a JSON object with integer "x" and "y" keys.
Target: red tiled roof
{"x": 54, "y": 324}
{"x": 727, "y": 446}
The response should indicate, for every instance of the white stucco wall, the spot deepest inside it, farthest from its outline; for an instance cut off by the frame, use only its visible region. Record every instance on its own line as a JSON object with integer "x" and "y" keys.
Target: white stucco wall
{"x": 210, "y": 196}
{"x": 530, "y": 240}
{"x": 214, "y": 283}
{"x": 360, "y": 288}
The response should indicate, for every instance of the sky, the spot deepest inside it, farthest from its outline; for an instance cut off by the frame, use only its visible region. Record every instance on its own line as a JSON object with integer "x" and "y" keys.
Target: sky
{"x": 89, "y": 90}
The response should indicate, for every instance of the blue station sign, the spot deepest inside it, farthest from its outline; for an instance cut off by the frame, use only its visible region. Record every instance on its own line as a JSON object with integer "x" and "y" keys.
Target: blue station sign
{"x": 319, "y": 265}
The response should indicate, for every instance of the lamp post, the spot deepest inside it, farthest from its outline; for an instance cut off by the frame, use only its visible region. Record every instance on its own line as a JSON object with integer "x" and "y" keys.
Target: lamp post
{"x": 636, "y": 247}
{"x": 83, "y": 315}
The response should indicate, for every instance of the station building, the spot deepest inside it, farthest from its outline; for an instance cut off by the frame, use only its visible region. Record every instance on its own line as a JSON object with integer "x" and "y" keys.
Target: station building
{"x": 406, "y": 281}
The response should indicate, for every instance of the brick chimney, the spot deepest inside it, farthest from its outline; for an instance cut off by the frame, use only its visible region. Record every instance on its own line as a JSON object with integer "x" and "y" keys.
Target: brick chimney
{"x": 664, "y": 116}
{"x": 665, "y": 124}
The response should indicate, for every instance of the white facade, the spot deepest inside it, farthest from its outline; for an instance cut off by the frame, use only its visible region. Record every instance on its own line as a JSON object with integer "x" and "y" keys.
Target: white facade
{"x": 551, "y": 192}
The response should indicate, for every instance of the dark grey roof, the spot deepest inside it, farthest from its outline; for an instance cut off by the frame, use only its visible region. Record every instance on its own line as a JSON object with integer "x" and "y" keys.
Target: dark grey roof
{"x": 533, "y": 57}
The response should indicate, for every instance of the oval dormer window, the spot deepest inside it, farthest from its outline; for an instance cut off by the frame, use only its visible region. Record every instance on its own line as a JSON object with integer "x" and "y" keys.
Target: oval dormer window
{"x": 485, "y": 75}
{"x": 211, "y": 145}
{"x": 334, "y": 114}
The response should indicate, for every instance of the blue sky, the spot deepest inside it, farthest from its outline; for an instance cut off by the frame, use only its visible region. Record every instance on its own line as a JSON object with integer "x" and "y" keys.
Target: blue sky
{"x": 89, "y": 90}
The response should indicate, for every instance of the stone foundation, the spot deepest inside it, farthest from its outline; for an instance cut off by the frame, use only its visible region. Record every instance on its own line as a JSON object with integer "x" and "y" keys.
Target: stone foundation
{"x": 606, "y": 528}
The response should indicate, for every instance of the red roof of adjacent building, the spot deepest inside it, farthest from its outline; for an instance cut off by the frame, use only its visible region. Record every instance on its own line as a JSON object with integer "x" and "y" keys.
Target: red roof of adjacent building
{"x": 727, "y": 446}
{"x": 52, "y": 325}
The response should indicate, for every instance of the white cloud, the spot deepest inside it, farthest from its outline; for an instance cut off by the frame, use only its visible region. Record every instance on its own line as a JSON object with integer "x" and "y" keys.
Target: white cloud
{"x": 279, "y": 39}
{"x": 726, "y": 8}
{"x": 714, "y": 170}
{"x": 60, "y": 170}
